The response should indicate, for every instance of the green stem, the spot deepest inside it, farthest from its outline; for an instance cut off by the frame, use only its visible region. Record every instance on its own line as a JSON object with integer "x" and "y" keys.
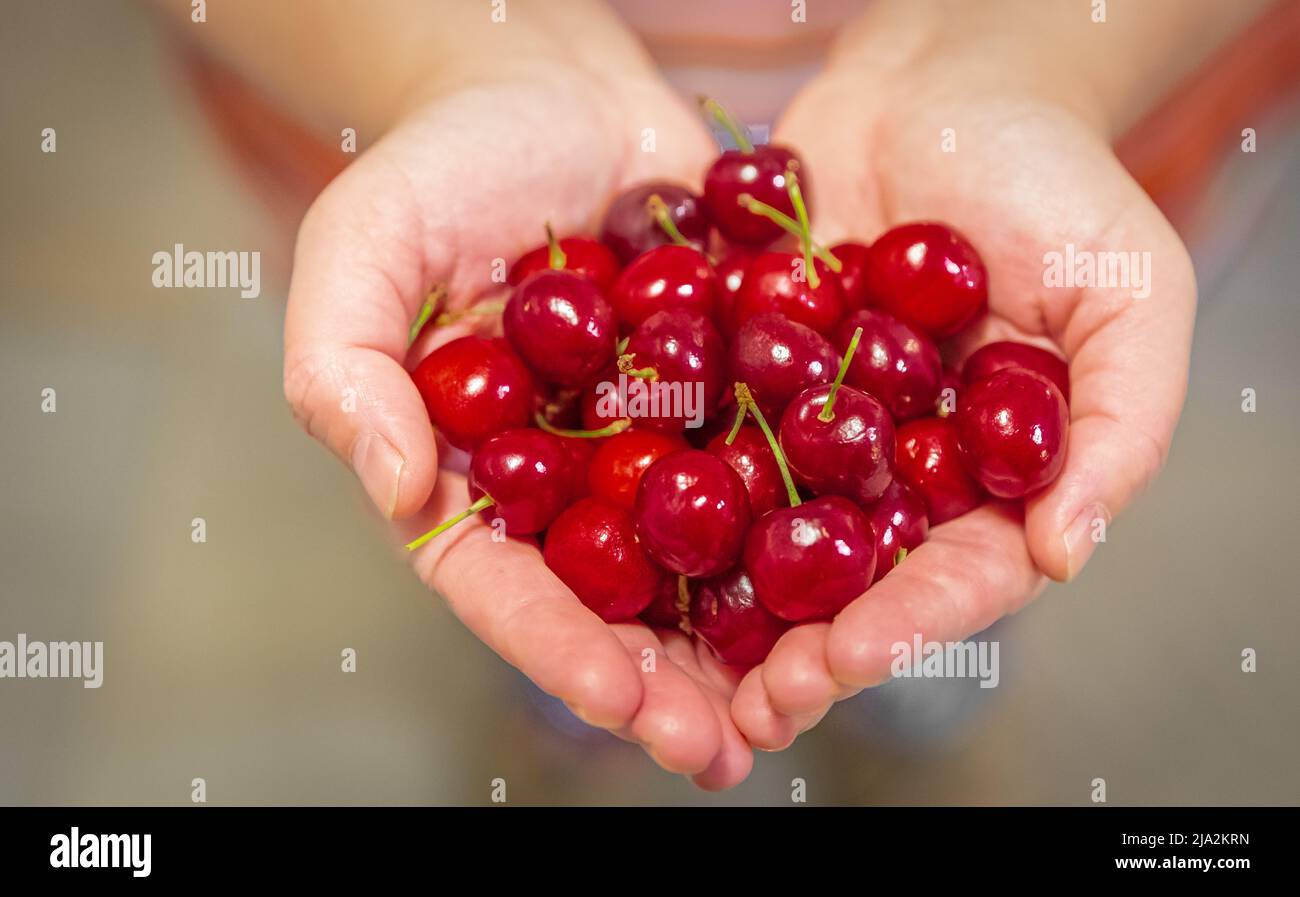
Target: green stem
{"x": 613, "y": 429}
{"x": 482, "y": 504}
{"x": 494, "y": 307}
{"x": 805, "y": 227}
{"x": 625, "y": 367}
{"x": 899, "y": 556}
{"x": 557, "y": 258}
{"x": 714, "y": 110}
{"x": 431, "y": 303}
{"x": 740, "y": 419}
{"x": 790, "y": 226}
{"x": 658, "y": 210}
{"x": 745, "y": 399}
{"x": 621, "y": 346}
{"x": 828, "y": 410}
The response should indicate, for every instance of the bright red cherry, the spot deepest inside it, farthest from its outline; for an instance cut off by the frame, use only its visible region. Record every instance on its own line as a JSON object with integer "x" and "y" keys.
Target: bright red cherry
{"x": 989, "y": 359}
{"x": 665, "y": 277}
{"x": 630, "y": 227}
{"x": 896, "y": 363}
{"x": 528, "y": 475}
{"x": 583, "y": 255}
{"x": 758, "y": 172}
{"x": 680, "y": 355}
{"x": 473, "y": 388}
{"x": 899, "y": 522}
{"x": 593, "y": 549}
{"x": 853, "y": 276}
{"x": 930, "y": 462}
{"x": 751, "y": 457}
{"x": 692, "y": 513}
{"x": 928, "y": 275}
{"x": 1012, "y": 429}
{"x": 561, "y": 326}
{"x": 776, "y": 282}
{"x": 807, "y": 562}
{"x": 616, "y": 468}
{"x": 727, "y": 616}
{"x": 779, "y": 358}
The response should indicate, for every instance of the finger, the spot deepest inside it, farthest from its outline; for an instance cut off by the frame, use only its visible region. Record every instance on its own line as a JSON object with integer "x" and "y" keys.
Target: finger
{"x": 796, "y": 674}
{"x": 762, "y": 725}
{"x": 503, "y": 592}
{"x": 969, "y": 573}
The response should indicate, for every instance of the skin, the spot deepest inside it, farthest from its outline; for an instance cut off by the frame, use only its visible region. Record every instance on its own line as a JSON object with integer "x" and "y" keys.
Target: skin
{"x": 489, "y": 130}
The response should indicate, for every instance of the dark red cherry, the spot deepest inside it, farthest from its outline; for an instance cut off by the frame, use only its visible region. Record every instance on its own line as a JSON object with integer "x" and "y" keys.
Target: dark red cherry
{"x": 852, "y": 454}
{"x": 665, "y": 277}
{"x": 529, "y": 476}
{"x": 1012, "y": 429}
{"x": 730, "y": 274}
{"x": 593, "y": 549}
{"x": 751, "y": 457}
{"x": 899, "y": 522}
{"x": 692, "y": 513}
{"x": 895, "y": 362}
{"x": 583, "y": 255}
{"x": 776, "y": 282}
{"x": 687, "y": 359}
{"x": 853, "y": 276}
{"x": 759, "y": 173}
{"x": 561, "y": 326}
{"x": 616, "y": 468}
{"x": 807, "y": 562}
{"x": 779, "y": 358}
{"x": 667, "y": 610}
{"x": 727, "y": 616}
{"x": 630, "y": 228}
{"x": 994, "y": 357}
{"x": 473, "y": 388}
{"x": 928, "y": 275}
{"x": 929, "y": 461}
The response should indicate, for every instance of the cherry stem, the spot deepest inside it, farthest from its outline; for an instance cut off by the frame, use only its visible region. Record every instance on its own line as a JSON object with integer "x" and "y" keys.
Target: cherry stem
{"x": 557, "y": 258}
{"x": 482, "y": 504}
{"x": 683, "y": 603}
{"x": 828, "y": 410}
{"x": 625, "y": 367}
{"x": 621, "y": 346}
{"x": 745, "y": 399}
{"x": 658, "y": 210}
{"x": 714, "y": 110}
{"x": 494, "y": 307}
{"x": 431, "y": 303}
{"x": 790, "y": 226}
{"x": 805, "y": 228}
{"x": 613, "y": 429}
{"x": 741, "y": 410}
{"x": 899, "y": 556}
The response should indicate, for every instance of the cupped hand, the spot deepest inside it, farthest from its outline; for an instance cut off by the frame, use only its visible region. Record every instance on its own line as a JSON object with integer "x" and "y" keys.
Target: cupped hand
{"x": 1022, "y": 169}
{"x": 467, "y": 179}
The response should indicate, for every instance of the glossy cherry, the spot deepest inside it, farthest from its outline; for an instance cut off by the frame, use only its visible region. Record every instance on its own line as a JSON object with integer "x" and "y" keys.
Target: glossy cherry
{"x": 779, "y": 358}
{"x": 592, "y": 547}
{"x": 692, "y": 513}
{"x": 994, "y": 357}
{"x": 853, "y": 274}
{"x": 678, "y": 352}
{"x": 751, "y": 457}
{"x": 899, "y": 522}
{"x": 776, "y": 282}
{"x": 728, "y": 617}
{"x": 928, "y": 275}
{"x": 1012, "y": 428}
{"x": 807, "y": 562}
{"x": 561, "y": 325}
{"x": 730, "y": 274}
{"x": 665, "y": 277}
{"x": 929, "y": 461}
{"x": 582, "y": 255}
{"x": 615, "y": 469}
{"x": 630, "y": 228}
{"x": 759, "y": 173}
{"x": 895, "y": 362}
{"x": 475, "y": 387}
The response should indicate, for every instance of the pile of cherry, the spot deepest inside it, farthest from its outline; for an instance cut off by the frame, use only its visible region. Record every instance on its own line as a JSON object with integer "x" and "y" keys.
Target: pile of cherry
{"x": 833, "y": 437}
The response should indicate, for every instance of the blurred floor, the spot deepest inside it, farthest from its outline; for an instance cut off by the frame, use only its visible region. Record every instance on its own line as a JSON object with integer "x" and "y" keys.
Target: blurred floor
{"x": 222, "y": 659}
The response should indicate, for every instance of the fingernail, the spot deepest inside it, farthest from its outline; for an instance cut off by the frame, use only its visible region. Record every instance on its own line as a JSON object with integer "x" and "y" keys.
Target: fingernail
{"x": 379, "y": 467}
{"x": 1082, "y": 536}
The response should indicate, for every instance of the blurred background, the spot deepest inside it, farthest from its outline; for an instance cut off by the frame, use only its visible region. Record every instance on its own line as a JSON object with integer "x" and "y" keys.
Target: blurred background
{"x": 222, "y": 659}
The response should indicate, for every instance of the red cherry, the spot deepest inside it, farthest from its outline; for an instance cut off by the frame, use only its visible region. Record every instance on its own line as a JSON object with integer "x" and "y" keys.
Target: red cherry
{"x": 678, "y": 351}
{"x": 730, "y": 274}
{"x": 727, "y": 616}
{"x": 528, "y": 475}
{"x": 851, "y": 455}
{"x": 899, "y": 522}
{"x": 604, "y": 406}
{"x": 760, "y": 173}
{"x": 665, "y": 277}
{"x": 616, "y": 468}
{"x": 929, "y": 461}
{"x": 561, "y": 325}
{"x": 751, "y": 457}
{"x": 692, "y": 513}
{"x": 808, "y": 562}
{"x": 593, "y": 549}
{"x": 1012, "y": 429}
{"x": 928, "y": 275}
{"x": 583, "y": 256}
{"x": 473, "y": 388}
{"x": 853, "y": 277}
{"x": 895, "y": 363}
{"x": 630, "y": 228}
{"x": 776, "y": 282}
{"x": 778, "y": 358}
{"x": 989, "y": 359}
